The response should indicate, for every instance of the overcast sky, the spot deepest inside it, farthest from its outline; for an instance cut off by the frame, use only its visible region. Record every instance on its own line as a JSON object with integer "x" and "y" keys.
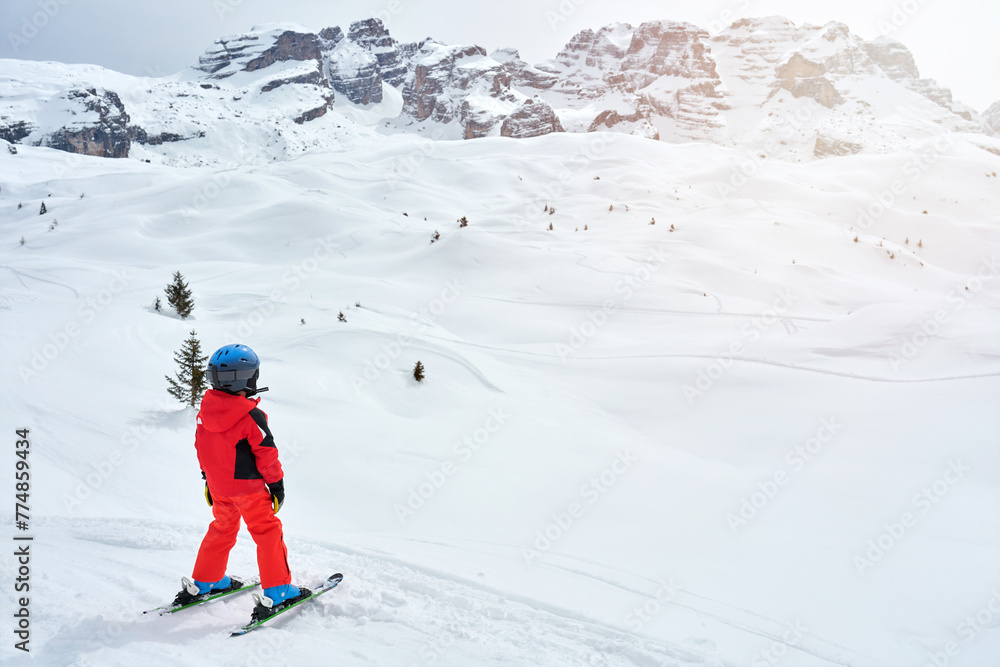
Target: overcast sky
{"x": 953, "y": 41}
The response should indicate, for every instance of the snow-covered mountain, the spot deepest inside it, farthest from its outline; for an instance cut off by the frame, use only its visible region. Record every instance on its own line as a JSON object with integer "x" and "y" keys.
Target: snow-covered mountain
{"x": 796, "y": 92}
{"x": 727, "y": 398}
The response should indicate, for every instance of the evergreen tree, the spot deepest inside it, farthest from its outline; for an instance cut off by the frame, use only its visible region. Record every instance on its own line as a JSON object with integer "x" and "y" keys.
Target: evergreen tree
{"x": 418, "y": 372}
{"x": 190, "y": 382}
{"x": 179, "y": 296}
{"x": 42, "y": 210}
{"x": 158, "y": 305}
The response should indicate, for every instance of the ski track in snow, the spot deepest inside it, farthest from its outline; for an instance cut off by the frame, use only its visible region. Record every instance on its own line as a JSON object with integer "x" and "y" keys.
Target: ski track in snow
{"x": 756, "y": 360}
{"x": 436, "y": 618}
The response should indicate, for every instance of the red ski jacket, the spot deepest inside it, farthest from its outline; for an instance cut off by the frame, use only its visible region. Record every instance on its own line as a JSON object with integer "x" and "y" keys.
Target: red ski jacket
{"x": 235, "y": 447}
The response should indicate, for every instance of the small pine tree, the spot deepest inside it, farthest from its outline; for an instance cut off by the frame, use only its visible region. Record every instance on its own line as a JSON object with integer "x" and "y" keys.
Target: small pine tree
{"x": 546, "y": 209}
{"x": 42, "y": 210}
{"x": 340, "y": 316}
{"x": 463, "y": 222}
{"x": 920, "y": 243}
{"x": 189, "y": 383}
{"x": 302, "y": 320}
{"x": 550, "y": 227}
{"x": 585, "y": 228}
{"x": 418, "y": 372}
{"x": 611, "y": 207}
{"x": 179, "y": 296}
{"x": 158, "y": 305}
{"x": 22, "y": 240}
{"x": 19, "y": 206}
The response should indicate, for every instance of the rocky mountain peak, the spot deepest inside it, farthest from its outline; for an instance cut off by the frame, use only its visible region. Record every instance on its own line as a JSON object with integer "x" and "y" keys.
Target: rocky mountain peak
{"x": 893, "y": 58}
{"x": 991, "y": 119}
{"x": 289, "y": 45}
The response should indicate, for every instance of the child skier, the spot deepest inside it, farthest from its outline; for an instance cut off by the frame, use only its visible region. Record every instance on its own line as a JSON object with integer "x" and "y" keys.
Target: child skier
{"x": 243, "y": 479}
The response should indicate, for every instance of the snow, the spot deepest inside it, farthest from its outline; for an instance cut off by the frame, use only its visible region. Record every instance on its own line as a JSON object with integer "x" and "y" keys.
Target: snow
{"x": 552, "y": 494}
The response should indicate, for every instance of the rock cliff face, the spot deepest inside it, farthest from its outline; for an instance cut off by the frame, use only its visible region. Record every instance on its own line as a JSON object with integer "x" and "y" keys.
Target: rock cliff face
{"x": 893, "y": 58}
{"x": 523, "y": 75}
{"x": 354, "y": 72}
{"x": 289, "y": 45}
{"x": 588, "y": 58}
{"x": 531, "y": 119}
{"x": 102, "y": 130}
{"x": 449, "y": 83}
{"x": 804, "y": 78}
{"x": 392, "y": 57}
{"x": 991, "y": 119}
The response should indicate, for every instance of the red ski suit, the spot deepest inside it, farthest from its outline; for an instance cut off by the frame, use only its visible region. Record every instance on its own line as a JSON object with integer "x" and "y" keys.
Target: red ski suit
{"x": 238, "y": 458}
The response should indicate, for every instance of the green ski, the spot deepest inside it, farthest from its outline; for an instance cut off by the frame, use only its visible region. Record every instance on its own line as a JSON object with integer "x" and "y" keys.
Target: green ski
{"x": 236, "y": 587}
{"x": 262, "y": 613}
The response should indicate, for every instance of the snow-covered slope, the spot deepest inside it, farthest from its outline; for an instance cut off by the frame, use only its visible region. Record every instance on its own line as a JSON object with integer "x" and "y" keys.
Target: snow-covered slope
{"x": 279, "y": 90}
{"x": 761, "y": 430}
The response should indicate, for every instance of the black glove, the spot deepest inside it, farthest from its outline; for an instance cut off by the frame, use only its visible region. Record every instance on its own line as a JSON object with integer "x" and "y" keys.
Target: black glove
{"x": 277, "y": 490}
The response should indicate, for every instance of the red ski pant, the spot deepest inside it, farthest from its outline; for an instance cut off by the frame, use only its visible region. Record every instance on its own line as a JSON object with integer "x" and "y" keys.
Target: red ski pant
{"x": 265, "y": 528}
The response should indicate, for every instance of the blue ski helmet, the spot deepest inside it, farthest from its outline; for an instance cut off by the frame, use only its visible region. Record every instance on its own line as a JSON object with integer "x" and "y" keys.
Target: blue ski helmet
{"x": 233, "y": 368}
